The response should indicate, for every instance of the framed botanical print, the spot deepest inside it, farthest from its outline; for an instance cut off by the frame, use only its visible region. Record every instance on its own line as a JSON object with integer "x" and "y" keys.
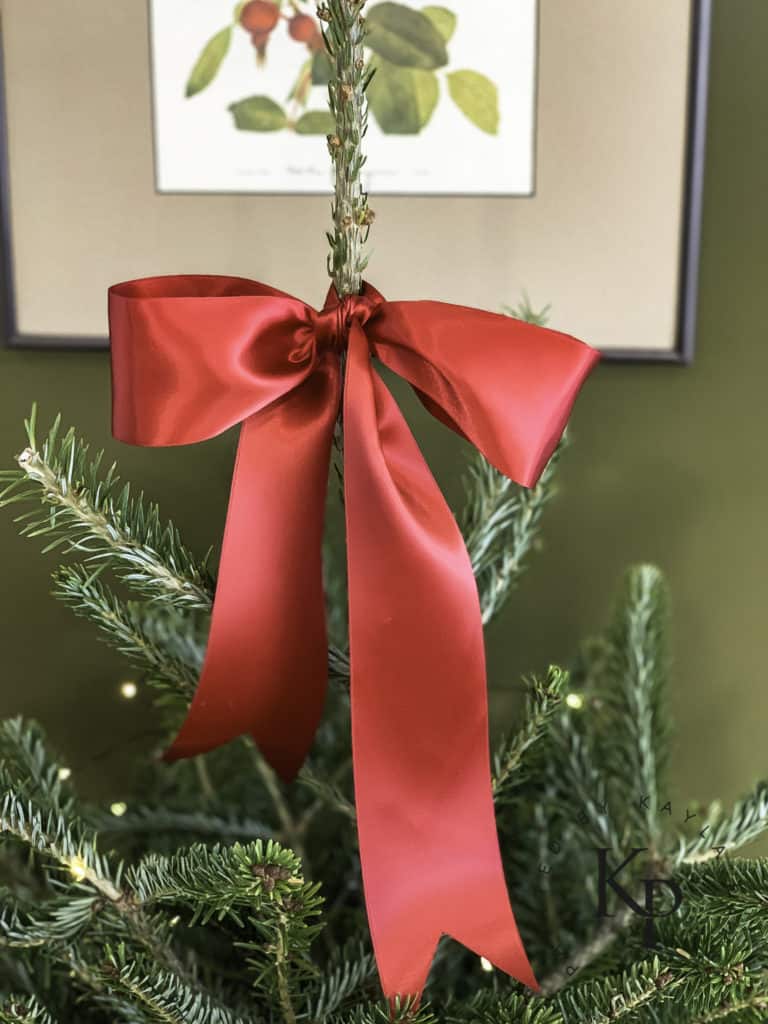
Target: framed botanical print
{"x": 551, "y": 149}
{"x": 451, "y": 97}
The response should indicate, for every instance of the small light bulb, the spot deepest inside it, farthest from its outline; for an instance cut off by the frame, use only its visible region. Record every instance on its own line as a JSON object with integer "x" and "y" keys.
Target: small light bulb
{"x": 575, "y": 701}
{"x": 128, "y": 690}
{"x": 118, "y": 808}
{"x": 64, "y": 774}
{"x": 486, "y": 964}
{"x": 78, "y": 868}
{"x": 174, "y": 921}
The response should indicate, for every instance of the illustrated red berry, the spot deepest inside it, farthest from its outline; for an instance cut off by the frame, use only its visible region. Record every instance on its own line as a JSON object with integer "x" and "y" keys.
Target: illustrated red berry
{"x": 316, "y": 42}
{"x": 302, "y": 28}
{"x": 259, "y": 39}
{"x": 259, "y": 16}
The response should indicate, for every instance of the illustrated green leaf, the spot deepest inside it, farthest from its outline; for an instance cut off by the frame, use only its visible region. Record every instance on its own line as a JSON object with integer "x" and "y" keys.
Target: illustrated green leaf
{"x": 405, "y": 37}
{"x": 258, "y": 114}
{"x": 477, "y": 97}
{"x": 443, "y": 20}
{"x": 209, "y": 62}
{"x": 402, "y": 99}
{"x": 322, "y": 70}
{"x": 315, "y": 122}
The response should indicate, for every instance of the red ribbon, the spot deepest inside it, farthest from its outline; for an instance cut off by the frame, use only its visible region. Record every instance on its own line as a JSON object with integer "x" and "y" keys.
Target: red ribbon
{"x": 191, "y": 356}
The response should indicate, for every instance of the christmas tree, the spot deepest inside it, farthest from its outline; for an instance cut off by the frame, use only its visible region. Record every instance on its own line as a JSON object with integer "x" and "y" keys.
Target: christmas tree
{"x": 219, "y": 894}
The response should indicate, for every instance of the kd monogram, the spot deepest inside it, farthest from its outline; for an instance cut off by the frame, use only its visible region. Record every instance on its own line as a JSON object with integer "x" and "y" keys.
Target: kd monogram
{"x": 646, "y": 909}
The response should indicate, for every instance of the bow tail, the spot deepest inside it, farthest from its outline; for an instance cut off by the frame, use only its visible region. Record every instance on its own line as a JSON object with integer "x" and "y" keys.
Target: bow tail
{"x": 265, "y": 669}
{"x": 428, "y": 842}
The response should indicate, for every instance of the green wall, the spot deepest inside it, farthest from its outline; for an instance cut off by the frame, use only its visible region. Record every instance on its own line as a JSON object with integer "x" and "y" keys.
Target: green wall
{"x": 668, "y": 465}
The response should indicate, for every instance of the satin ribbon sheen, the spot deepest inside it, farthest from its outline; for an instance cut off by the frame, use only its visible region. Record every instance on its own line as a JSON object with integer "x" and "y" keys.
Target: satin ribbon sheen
{"x": 194, "y": 355}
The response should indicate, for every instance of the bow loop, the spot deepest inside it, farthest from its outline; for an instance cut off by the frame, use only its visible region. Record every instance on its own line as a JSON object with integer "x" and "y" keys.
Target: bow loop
{"x": 505, "y": 385}
{"x": 193, "y": 356}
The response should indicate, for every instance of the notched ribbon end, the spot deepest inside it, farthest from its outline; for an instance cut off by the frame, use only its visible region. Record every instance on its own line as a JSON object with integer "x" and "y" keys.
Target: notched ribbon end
{"x": 528, "y": 978}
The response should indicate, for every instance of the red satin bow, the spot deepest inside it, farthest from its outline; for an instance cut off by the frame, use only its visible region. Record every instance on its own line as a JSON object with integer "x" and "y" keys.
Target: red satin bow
{"x": 191, "y": 356}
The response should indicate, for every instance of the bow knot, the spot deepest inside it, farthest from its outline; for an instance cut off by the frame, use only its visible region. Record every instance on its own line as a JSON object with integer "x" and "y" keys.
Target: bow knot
{"x": 332, "y": 324}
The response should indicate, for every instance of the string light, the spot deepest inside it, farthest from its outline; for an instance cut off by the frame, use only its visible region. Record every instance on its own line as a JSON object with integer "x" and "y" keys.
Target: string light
{"x": 64, "y": 774}
{"x": 128, "y": 689}
{"x": 486, "y": 964}
{"x": 575, "y": 701}
{"x": 174, "y": 921}
{"x": 78, "y": 868}
{"x": 118, "y": 808}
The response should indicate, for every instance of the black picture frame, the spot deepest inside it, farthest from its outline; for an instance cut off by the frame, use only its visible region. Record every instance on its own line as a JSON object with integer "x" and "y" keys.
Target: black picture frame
{"x": 693, "y": 196}
{"x": 690, "y": 247}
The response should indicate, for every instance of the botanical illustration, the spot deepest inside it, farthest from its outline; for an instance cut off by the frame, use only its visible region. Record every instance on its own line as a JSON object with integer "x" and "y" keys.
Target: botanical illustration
{"x": 408, "y": 59}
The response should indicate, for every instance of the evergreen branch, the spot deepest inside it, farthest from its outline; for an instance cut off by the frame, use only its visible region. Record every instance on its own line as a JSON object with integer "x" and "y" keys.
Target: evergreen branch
{"x": 75, "y": 851}
{"x": 747, "y": 820}
{"x": 733, "y": 890}
{"x": 713, "y": 970}
{"x": 143, "y": 638}
{"x": 492, "y": 502}
{"x": 525, "y": 311}
{"x": 88, "y": 981}
{"x": 328, "y": 793}
{"x": 17, "y": 930}
{"x": 344, "y": 35}
{"x": 402, "y": 1011}
{"x": 67, "y": 843}
{"x": 728, "y": 890}
{"x": 155, "y": 821}
{"x": 58, "y": 835}
{"x": 543, "y": 700}
{"x": 625, "y": 674}
{"x": 749, "y": 1009}
{"x": 338, "y": 664}
{"x": 286, "y": 923}
{"x": 65, "y": 918}
{"x": 576, "y": 780}
{"x": 619, "y": 997}
{"x": 588, "y": 952}
{"x": 639, "y": 670}
{"x": 162, "y": 996}
{"x": 23, "y": 1009}
{"x": 219, "y": 881}
{"x": 85, "y": 510}
{"x": 489, "y": 1007}
{"x": 281, "y": 973}
{"x": 346, "y": 975}
{"x": 501, "y": 522}
{"x": 24, "y": 753}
